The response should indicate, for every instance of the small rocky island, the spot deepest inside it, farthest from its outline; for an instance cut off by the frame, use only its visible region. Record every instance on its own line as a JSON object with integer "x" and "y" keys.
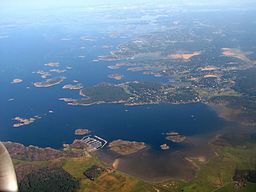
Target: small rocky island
{"x": 126, "y": 147}
{"x": 115, "y": 76}
{"x": 73, "y": 86}
{"x": 175, "y": 137}
{"x": 23, "y": 121}
{"x": 16, "y": 81}
{"x": 164, "y": 147}
{"x": 82, "y": 131}
{"x": 49, "y": 82}
{"x": 52, "y": 64}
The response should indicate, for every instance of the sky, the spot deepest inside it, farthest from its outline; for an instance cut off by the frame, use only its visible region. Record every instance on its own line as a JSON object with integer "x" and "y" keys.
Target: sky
{"x": 10, "y": 8}
{"x": 42, "y": 4}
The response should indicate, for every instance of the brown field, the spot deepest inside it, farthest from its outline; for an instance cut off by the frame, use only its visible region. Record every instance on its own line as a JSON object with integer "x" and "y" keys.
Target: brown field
{"x": 184, "y": 56}
{"x": 208, "y": 68}
{"x": 211, "y": 76}
{"x": 236, "y": 53}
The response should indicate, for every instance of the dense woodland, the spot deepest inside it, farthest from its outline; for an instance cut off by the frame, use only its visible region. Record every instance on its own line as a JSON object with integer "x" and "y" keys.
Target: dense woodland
{"x": 49, "y": 180}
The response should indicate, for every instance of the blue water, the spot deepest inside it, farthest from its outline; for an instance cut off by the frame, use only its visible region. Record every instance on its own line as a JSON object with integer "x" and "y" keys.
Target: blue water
{"x": 28, "y": 48}
{"x": 140, "y": 123}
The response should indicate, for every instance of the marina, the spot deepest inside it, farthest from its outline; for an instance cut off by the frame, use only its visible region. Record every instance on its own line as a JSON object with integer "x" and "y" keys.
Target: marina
{"x": 94, "y": 142}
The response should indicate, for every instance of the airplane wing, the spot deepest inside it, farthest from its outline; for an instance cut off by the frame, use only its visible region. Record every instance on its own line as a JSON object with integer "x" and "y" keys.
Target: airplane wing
{"x": 8, "y": 180}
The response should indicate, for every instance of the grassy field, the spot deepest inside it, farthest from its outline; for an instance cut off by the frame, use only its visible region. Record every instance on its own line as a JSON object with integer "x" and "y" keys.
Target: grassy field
{"x": 250, "y": 187}
{"x": 217, "y": 173}
{"x": 114, "y": 182}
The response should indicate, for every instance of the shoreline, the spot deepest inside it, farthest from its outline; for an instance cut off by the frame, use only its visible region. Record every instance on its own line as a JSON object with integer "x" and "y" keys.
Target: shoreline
{"x": 223, "y": 111}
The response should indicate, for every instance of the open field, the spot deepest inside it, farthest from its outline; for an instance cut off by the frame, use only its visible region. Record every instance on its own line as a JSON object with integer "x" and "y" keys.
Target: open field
{"x": 114, "y": 181}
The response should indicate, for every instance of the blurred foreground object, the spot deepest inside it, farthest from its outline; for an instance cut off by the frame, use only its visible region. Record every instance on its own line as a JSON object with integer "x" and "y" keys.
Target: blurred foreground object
{"x": 8, "y": 181}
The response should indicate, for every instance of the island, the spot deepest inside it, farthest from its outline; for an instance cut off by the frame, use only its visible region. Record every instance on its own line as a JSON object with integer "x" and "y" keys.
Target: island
{"x": 164, "y": 147}
{"x": 115, "y": 76}
{"x": 175, "y": 137}
{"x": 58, "y": 70}
{"x": 49, "y": 82}
{"x": 22, "y": 121}
{"x": 119, "y": 65}
{"x": 82, "y": 131}
{"x": 43, "y": 74}
{"x": 16, "y": 81}
{"x": 72, "y": 86}
{"x": 52, "y": 64}
{"x": 123, "y": 147}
